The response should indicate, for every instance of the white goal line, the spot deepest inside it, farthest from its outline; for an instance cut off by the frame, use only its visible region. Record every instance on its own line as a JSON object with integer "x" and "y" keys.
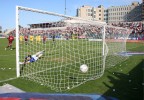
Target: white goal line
{"x": 94, "y": 39}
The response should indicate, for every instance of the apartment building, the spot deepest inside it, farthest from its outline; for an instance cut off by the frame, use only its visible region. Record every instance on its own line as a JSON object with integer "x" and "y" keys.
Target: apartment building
{"x": 106, "y": 15}
{"x": 91, "y": 13}
{"x": 125, "y": 13}
{"x": 113, "y": 14}
{"x": 142, "y": 10}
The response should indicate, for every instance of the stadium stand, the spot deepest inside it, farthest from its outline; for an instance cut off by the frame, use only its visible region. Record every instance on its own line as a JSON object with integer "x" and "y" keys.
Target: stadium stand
{"x": 137, "y": 29}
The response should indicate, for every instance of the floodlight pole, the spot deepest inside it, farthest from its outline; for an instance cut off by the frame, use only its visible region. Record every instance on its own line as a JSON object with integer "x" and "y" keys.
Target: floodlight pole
{"x": 65, "y": 7}
{"x": 17, "y": 42}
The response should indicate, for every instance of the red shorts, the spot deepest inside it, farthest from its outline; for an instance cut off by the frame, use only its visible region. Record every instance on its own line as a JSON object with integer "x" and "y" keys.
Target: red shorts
{"x": 10, "y": 43}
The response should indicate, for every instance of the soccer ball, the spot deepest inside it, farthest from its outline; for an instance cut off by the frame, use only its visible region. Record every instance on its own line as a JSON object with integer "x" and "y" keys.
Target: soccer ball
{"x": 84, "y": 68}
{"x": 68, "y": 87}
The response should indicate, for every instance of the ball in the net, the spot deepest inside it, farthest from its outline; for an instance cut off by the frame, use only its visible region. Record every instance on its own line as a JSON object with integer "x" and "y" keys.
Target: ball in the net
{"x": 84, "y": 68}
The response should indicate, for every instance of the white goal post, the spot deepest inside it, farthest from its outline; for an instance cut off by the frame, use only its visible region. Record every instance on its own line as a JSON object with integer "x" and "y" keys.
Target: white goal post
{"x": 63, "y": 52}
{"x": 17, "y": 42}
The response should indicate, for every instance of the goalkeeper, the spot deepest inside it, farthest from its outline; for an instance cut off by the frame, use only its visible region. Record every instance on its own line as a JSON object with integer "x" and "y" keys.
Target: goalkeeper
{"x": 33, "y": 58}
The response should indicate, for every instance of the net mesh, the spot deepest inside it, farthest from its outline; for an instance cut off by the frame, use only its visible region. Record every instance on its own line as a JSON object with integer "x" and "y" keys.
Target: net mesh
{"x": 116, "y": 43}
{"x": 61, "y": 44}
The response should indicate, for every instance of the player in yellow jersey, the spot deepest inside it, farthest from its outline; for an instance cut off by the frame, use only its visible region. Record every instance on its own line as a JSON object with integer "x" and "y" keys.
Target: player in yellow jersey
{"x": 31, "y": 38}
{"x": 21, "y": 38}
{"x": 38, "y": 38}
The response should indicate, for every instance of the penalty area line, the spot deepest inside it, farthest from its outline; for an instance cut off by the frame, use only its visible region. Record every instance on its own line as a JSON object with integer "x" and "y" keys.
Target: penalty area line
{"x": 8, "y": 79}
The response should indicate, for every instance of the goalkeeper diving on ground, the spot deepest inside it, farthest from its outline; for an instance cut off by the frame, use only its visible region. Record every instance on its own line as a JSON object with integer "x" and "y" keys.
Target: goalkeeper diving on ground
{"x": 32, "y": 58}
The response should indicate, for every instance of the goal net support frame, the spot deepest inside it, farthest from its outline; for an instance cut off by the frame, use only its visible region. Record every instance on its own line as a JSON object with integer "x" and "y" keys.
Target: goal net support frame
{"x": 43, "y": 12}
{"x": 103, "y": 45}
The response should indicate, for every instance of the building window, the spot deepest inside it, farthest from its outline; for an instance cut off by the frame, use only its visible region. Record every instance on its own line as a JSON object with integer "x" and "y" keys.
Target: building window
{"x": 89, "y": 14}
{"x": 89, "y": 10}
{"x": 99, "y": 10}
{"x": 99, "y": 14}
{"x": 99, "y": 18}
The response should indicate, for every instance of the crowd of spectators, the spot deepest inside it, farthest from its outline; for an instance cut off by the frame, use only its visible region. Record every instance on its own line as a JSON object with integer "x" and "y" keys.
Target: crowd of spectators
{"x": 136, "y": 27}
{"x": 92, "y": 31}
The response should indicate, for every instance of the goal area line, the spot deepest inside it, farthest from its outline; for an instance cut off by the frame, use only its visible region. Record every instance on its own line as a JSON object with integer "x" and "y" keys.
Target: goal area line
{"x": 99, "y": 40}
{"x": 129, "y": 53}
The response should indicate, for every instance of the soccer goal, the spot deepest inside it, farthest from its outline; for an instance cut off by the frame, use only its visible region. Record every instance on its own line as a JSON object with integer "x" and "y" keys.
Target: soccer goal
{"x": 63, "y": 52}
{"x": 115, "y": 39}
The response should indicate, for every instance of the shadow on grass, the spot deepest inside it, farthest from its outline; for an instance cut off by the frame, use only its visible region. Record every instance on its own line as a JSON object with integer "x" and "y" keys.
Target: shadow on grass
{"x": 127, "y": 86}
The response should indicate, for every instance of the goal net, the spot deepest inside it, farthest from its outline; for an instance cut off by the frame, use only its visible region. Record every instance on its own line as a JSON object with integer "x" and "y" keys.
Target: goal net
{"x": 62, "y": 52}
{"x": 115, "y": 39}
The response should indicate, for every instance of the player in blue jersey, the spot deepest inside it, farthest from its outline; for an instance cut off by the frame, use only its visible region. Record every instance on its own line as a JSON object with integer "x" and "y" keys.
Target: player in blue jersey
{"x": 32, "y": 58}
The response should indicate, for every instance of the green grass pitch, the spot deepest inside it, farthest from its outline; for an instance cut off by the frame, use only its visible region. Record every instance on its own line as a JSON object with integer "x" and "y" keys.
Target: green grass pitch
{"x": 123, "y": 81}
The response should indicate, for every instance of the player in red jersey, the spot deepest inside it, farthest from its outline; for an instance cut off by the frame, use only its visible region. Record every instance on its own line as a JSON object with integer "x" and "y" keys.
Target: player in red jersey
{"x": 10, "y": 40}
{"x": 26, "y": 39}
{"x": 44, "y": 39}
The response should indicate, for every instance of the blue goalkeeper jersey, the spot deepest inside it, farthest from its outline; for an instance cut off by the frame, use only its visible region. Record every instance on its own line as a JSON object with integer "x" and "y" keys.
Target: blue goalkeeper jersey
{"x": 32, "y": 59}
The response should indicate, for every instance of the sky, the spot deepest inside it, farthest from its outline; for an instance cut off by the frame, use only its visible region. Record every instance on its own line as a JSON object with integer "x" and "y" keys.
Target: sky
{"x": 8, "y": 7}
